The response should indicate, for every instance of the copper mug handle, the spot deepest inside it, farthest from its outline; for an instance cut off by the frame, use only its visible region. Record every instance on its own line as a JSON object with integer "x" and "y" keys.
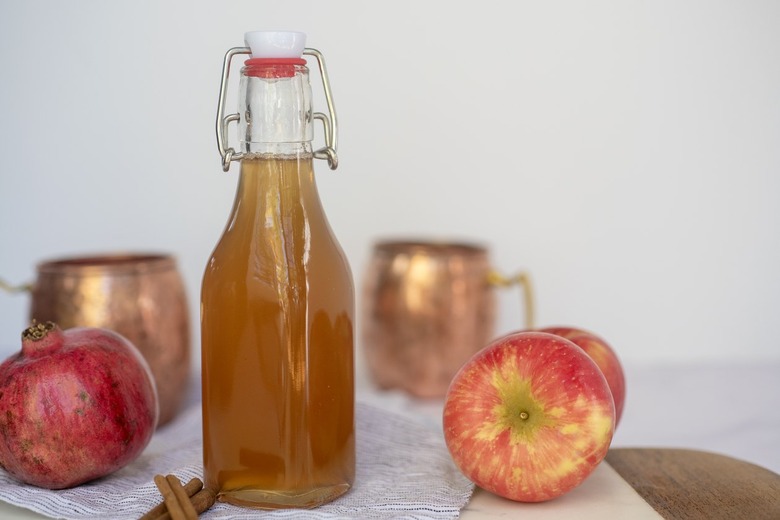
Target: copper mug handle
{"x": 7, "y": 287}
{"x": 523, "y": 280}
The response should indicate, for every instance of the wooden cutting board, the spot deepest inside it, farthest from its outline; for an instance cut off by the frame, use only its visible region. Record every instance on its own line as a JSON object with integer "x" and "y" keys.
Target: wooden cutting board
{"x": 689, "y": 484}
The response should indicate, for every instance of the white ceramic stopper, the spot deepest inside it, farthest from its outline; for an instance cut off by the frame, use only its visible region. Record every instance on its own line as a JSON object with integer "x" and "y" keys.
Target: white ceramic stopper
{"x": 275, "y": 44}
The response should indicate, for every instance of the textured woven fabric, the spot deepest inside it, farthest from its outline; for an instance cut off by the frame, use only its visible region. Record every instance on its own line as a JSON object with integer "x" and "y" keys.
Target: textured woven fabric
{"x": 403, "y": 472}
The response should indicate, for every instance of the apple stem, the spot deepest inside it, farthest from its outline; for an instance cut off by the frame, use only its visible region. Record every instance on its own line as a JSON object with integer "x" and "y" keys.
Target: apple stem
{"x": 524, "y": 415}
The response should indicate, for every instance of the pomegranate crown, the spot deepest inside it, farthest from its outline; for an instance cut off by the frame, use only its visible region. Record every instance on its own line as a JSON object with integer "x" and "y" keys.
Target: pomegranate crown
{"x": 37, "y": 330}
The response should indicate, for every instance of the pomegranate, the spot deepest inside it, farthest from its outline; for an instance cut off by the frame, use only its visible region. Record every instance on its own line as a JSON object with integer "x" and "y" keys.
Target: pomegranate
{"x": 75, "y": 405}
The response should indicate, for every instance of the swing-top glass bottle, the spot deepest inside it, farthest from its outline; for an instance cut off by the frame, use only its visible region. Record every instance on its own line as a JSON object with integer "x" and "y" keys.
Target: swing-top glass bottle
{"x": 277, "y": 300}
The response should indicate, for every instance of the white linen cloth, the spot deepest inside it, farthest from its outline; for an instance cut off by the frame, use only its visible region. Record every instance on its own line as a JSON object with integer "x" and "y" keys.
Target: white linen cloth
{"x": 403, "y": 472}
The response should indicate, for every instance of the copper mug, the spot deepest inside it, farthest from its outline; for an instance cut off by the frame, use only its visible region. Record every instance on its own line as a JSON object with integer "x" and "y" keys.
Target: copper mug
{"x": 427, "y": 308}
{"x": 140, "y": 296}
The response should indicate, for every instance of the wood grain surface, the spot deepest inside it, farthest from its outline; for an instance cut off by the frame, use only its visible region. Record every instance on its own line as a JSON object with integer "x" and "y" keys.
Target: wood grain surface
{"x": 689, "y": 484}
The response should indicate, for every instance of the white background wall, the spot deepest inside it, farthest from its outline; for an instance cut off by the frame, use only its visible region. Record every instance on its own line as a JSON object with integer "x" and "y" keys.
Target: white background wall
{"x": 626, "y": 153}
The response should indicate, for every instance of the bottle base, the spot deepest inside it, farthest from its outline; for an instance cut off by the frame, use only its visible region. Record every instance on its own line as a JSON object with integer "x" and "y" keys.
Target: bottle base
{"x": 272, "y": 499}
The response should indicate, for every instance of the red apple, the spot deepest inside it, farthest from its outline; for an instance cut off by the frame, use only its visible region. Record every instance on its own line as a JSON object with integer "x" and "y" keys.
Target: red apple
{"x": 528, "y": 417}
{"x": 606, "y": 359}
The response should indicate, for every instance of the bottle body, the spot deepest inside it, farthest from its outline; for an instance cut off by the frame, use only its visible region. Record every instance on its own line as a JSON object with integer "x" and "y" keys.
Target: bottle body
{"x": 277, "y": 314}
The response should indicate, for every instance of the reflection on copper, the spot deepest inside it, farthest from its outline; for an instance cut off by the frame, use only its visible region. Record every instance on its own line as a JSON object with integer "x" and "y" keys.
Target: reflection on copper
{"x": 427, "y": 308}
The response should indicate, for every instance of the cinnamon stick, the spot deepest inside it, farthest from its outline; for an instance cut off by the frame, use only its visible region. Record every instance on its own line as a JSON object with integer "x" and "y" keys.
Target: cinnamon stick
{"x": 191, "y": 487}
{"x": 171, "y": 502}
{"x": 182, "y": 498}
{"x": 201, "y": 501}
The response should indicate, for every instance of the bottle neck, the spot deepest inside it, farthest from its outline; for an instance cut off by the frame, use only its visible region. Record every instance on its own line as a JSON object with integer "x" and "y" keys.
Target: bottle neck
{"x": 276, "y": 192}
{"x": 275, "y": 126}
{"x": 275, "y": 108}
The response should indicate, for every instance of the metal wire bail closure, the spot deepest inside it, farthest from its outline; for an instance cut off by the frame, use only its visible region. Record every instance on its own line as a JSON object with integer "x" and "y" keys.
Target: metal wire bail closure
{"x": 229, "y": 154}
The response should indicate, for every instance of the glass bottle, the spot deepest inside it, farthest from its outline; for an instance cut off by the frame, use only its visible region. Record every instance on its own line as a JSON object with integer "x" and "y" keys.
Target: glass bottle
{"x": 277, "y": 302}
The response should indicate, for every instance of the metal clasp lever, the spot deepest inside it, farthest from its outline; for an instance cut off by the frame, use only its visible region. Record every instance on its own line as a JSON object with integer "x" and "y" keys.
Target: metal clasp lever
{"x": 229, "y": 154}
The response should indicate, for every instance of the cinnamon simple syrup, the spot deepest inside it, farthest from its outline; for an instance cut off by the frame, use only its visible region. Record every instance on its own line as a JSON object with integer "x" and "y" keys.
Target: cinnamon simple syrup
{"x": 277, "y": 306}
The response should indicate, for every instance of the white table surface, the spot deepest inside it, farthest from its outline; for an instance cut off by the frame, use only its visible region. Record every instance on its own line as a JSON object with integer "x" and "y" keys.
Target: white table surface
{"x": 728, "y": 409}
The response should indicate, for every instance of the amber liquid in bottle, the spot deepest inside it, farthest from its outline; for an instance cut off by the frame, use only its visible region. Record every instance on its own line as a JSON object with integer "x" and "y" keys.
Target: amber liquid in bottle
{"x": 277, "y": 346}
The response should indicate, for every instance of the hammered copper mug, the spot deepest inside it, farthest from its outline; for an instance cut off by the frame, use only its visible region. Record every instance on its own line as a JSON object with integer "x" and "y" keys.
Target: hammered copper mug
{"x": 427, "y": 308}
{"x": 140, "y": 296}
